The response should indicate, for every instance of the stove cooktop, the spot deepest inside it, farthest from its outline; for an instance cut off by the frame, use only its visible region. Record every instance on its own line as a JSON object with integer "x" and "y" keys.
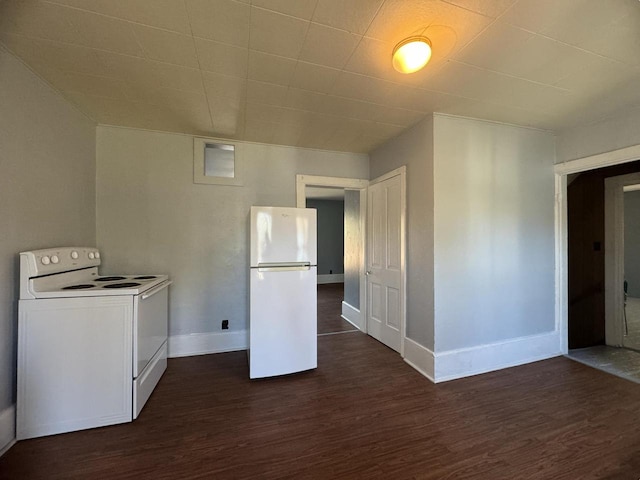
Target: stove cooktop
{"x": 99, "y": 285}
{"x": 112, "y": 282}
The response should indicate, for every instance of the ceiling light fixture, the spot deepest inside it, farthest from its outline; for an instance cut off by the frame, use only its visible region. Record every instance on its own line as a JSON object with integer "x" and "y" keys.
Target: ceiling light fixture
{"x": 411, "y": 54}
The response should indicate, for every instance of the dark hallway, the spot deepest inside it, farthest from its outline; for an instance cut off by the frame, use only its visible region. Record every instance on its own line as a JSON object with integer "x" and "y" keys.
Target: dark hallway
{"x": 330, "y": 296}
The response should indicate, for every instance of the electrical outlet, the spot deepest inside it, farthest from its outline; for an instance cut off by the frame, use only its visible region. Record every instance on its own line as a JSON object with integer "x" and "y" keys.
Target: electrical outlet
{"x": 225, "y": 324}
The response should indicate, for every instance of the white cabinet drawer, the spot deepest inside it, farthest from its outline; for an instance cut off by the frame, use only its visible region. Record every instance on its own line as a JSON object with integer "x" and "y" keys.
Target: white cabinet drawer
{"x": 145, "y": 383}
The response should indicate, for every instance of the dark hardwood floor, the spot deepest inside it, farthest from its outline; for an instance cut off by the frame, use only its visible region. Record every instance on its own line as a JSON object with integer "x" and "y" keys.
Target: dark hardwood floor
{"x": 363, "y": 413}
{"x": 330, "y": 296}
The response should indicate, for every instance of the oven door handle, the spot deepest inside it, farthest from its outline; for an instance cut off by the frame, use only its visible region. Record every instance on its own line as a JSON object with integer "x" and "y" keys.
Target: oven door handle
{"x": 155, "y": 290}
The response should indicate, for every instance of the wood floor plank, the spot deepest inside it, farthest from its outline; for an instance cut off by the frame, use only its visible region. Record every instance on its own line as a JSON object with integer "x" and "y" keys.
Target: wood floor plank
{"x": 330, "y": 296}
{"x": 363, "y": 413}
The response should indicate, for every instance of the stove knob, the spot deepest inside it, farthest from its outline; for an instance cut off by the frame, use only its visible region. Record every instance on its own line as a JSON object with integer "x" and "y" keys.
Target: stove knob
{"x": 54, "y": 259}
{"x": 46, "y": 260}
{"x": 97, "y": 254}
{"x": 91, "y": 255}
{"x": 74, "y": 255}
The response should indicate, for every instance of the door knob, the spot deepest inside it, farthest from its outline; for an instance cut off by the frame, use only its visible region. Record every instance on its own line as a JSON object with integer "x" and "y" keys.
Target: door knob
{"x": 367, "y": 273}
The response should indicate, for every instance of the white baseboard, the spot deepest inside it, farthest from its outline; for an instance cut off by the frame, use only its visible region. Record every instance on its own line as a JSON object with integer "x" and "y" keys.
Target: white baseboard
{"x": 420, "y": 358}
{"x": 466, "y": 362}
{"x": 7, "y": 429}
{"x": 333, "y": 278}
{"x": 352, "y": 315}
{"x": 204, "y": 343}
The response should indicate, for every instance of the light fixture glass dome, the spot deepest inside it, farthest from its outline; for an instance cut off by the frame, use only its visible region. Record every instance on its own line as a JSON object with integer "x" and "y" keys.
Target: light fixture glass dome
{"x": 411, "y": 54}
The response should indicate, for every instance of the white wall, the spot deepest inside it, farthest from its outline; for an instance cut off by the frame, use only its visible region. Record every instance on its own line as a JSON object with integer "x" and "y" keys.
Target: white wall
{"x": 151, "y": 217}
{"x": 47, "y": 190}
{"x": 494, "y": 232}
{"x": 414, "y": 149}
{"x": 330, "y": 222}
{"x": 353, "y": 248}
{"x": 480, "y": 230}
{"x": 605, "y": 136}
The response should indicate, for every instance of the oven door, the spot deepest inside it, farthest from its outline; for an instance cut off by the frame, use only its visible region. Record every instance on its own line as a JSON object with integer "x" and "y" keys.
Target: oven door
{"x": 150, "y": 325}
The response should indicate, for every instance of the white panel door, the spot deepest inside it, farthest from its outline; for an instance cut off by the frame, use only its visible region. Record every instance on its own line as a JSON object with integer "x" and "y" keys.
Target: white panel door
{"x": 385, "y": 260}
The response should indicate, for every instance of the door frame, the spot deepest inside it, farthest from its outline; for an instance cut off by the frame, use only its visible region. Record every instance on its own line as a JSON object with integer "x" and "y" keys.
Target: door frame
{"x": 561, "y": 170}
{"x": 402, "y": 172}
{"x": 304, "y": 181}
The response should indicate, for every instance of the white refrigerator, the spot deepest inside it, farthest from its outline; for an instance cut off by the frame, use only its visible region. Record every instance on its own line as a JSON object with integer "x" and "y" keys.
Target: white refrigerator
{"x": 282, "y": 291}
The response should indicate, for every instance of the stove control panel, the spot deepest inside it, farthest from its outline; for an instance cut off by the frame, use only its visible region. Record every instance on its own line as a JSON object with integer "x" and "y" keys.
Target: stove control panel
{"x": 56, "y": 260}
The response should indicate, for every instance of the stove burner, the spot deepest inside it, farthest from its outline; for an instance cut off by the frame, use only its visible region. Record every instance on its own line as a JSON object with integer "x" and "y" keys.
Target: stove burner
{"x": 145, "y": 277}
{"x": 78, "y": 287}
{"x": 121, "y": 285}
{"x": 108, "y": 279}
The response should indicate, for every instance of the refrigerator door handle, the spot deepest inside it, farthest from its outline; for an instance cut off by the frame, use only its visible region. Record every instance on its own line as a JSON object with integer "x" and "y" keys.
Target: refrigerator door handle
{"x": 284, "y": 267}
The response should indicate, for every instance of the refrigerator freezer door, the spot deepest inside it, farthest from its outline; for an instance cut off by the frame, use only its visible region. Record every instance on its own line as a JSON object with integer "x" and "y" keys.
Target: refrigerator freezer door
{"x": 282, "y": 235}
{"x": 283, "y": 328}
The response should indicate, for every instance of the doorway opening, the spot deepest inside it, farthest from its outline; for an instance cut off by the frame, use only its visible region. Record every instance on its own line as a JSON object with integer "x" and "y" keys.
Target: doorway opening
{"x": 631, "y": 286}
{"x": 338, "y": 225}
{"x": 603, "y": 229}
{"x": 341, "y": 206}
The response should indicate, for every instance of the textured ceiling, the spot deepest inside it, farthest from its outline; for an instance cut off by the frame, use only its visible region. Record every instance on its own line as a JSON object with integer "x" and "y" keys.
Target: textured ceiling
{"x": 317, "y": 73}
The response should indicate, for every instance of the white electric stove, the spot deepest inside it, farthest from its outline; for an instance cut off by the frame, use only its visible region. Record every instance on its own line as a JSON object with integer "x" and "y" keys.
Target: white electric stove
{"x": 91, "y": 348}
